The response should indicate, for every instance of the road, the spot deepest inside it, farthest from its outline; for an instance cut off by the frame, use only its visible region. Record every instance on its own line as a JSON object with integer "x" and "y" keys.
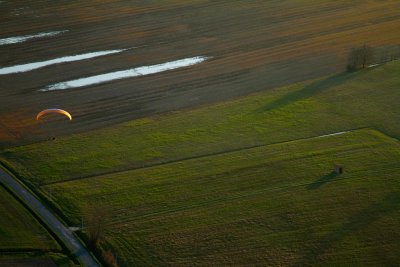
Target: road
{"x": 66, "y": 236}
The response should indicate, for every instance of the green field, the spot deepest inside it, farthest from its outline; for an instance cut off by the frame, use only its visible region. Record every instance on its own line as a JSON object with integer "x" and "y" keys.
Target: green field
{"x": 276, "y": 204}
{"x": 29, "y": 259}
{"x": 19, "y": 229}
{"x": 24, "y": 239}
{"x": 332, "y": 104}
{"x": 246, "y": 181}
{"x": 225, "y": 163}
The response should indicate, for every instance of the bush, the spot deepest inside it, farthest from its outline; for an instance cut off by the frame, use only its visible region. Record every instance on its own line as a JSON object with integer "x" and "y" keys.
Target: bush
{"x": 109, "y": 259}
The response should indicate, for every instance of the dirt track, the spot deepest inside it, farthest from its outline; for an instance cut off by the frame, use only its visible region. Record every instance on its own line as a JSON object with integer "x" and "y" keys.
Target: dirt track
{"x": 255, "y": 46}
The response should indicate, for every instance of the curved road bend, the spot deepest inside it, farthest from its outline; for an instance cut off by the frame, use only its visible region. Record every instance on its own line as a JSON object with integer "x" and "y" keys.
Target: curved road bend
{"x": 56, "y": 226}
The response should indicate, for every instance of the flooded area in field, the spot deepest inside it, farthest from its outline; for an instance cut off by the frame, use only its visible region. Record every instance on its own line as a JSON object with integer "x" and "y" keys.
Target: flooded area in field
{"x": 135, "y": 72}
{"x": 24, "y": 38}
{"x": 332, "y": 134}
{"x": 41, "y": 64}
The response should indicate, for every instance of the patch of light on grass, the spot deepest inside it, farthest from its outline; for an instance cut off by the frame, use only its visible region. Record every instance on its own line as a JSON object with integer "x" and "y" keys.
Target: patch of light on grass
{"x": 37, "y": 65}
{"x": 24, "y": 38}
{"x": 140, "y": 71}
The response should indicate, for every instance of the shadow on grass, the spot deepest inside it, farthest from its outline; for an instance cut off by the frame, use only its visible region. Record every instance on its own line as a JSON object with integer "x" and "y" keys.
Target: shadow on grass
{"x": 355, "y": 223}
{"x": 323, "y": 180}
{"x": 309, "y": 90}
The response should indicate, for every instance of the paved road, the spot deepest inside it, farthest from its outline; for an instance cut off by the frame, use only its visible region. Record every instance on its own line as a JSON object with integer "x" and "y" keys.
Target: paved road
{"x": 56, "y": 226}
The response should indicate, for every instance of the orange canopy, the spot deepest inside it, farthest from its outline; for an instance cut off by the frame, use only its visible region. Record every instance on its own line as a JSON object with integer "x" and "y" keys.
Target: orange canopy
{"x": 53, "y": 110}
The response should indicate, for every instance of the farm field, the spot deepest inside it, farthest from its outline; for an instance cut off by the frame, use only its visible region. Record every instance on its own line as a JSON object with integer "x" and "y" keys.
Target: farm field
{"x": 23, "y": 239}
{"x": 203, "y": 132}
{"x": 332, "y": 104}
{"x": 279, "y": 205}
{"x": 253, "y": 46}
{"x": 35, "y": 260}
{"x": 252, "y": 183}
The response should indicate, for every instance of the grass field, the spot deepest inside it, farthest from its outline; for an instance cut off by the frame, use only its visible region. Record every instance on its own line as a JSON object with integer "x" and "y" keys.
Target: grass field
{"x": 224, "y": 184}
{"x": 228, "y": 162}
{"x": 23, "y": 240}
{"x": 275, "y": 205}
{"x": 19, "y": 229}
{"x": 35, "y": 259}
{"x": 255, "y": 46}
{"x": 332, "y": 104}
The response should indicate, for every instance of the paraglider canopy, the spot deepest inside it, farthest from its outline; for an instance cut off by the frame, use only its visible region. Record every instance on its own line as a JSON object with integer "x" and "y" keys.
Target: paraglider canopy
{"x": 53, "y": 110}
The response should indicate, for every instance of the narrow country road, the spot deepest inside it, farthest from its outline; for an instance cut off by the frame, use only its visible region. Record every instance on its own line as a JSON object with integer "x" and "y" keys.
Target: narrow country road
{"x": 56, "y": 226}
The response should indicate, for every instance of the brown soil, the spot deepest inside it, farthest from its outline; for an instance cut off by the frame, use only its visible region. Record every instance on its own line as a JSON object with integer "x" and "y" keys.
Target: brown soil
{"x": 255, "y": 45}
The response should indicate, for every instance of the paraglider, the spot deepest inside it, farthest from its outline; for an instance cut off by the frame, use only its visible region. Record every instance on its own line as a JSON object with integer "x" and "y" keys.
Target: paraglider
{"x": 53, "y": 110}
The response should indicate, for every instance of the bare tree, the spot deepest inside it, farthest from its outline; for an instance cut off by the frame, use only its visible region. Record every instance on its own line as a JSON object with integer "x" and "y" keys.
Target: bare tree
{"x": 360, "y": 58}
{"x": 94, "y": 218}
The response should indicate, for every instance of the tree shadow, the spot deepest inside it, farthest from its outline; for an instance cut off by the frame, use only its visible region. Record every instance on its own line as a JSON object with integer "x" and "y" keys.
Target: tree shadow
{"x": 322, "y": 180}
{"x": 309, "y": 90}
{"x": 355, "y": 223}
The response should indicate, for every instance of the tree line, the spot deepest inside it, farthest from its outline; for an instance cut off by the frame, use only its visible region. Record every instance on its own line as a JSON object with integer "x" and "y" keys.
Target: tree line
{"x": 363, "y": 56}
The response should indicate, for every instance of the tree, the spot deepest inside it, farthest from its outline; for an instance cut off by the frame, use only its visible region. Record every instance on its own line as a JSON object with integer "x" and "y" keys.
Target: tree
{"x": 94, "y": 218}
{"x": 360, "y": 58}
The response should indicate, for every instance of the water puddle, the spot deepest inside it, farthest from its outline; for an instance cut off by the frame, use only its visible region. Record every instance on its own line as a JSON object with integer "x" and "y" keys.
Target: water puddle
{"x": 37, "y": 65}
{"x": 332, "y": 134}
{"x": 135, "y": 72}
{"x": 24, "y": 38}
{"x": 373, "y": 65}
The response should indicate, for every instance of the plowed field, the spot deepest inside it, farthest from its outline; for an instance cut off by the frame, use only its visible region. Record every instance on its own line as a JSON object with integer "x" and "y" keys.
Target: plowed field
{"x": 253, "y": 45}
